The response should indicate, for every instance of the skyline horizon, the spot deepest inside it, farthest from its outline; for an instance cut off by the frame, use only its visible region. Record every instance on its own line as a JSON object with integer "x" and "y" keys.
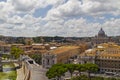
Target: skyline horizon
{"x": 64, "y": 36}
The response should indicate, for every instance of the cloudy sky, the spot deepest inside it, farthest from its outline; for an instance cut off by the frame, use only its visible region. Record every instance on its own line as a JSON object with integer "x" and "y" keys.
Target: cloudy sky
{"x": 59, "y": 17}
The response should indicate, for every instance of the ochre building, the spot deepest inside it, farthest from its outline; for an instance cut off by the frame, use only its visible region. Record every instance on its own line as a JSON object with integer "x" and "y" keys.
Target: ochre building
{"x": 106, "y": 56}
{"x": 61, "y": 54}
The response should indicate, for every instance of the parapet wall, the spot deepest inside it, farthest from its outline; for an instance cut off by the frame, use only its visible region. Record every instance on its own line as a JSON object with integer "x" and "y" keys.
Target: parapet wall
{"x": 27, "y": 67}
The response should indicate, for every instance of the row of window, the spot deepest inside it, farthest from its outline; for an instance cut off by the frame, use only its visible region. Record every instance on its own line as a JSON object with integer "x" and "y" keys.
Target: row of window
{"x": 109, "y": 70}
{"x": 108, "y": 57}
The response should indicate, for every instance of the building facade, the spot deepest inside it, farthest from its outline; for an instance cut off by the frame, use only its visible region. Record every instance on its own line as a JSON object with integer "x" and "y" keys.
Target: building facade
{"x": 106, "y": 56}
{"x": 63, "y": 54}
{"x": 48, "y": 60}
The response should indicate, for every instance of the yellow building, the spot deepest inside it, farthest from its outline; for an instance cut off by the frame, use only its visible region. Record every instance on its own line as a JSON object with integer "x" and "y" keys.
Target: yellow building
{"x": 106, "y": 56}
{"x": 59, "y": 55}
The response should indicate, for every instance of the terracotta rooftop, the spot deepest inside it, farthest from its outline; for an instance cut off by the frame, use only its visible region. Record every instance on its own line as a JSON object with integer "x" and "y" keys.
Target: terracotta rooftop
{"x": 18, "y": 44}
{"x": 91, "y": 52}
{"x": 63, "y": 49}
{"x": 108, "y": 45}
{"x": 109, "y": 55}
{"x": 36, "y": 51}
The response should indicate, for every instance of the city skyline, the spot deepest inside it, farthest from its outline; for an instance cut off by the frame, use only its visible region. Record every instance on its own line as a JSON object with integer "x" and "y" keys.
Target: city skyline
{"x": 71, "y": 18}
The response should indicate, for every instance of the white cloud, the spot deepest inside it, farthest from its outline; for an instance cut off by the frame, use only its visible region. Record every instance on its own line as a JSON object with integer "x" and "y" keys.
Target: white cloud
{"x": 5, "y": 9}
{"x": 112, "y": 27}
{"x": 24, "y": 5}
{"x": 71, "y": 8}
{"x": 87, "y": 7}
{"x": 63, "y": 19}
{"x": 30, "y": 5}
{"x": 80, "y": 27}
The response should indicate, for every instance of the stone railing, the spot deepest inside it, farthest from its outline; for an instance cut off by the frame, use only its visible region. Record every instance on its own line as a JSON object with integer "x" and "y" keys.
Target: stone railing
{"x": 27, "y": 65}
{"x": 26, "y": 72}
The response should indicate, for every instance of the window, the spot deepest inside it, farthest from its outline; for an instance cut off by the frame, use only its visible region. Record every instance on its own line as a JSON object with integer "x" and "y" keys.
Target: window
{"x": 53, "y": 62}
{"x": 31, "y": 62}
{"x": 48, "y": 61}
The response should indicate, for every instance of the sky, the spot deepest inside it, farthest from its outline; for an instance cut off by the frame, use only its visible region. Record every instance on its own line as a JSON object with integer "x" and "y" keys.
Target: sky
{"x": 71, "y": 18}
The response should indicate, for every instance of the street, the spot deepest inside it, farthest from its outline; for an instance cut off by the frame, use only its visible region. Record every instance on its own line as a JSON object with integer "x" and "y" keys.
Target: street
{"x": 38, "y": 73}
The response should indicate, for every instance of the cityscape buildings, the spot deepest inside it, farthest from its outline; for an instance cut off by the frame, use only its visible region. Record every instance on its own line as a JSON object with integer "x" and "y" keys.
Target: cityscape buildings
{"x": 59, "y": 39}
{"x": 106, "y": 54}
{"x": 101, "y": 37}
{"x": 60, "y": 55}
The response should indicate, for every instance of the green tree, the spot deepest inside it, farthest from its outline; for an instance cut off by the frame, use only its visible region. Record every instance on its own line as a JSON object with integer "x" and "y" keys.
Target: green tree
{"x": 16, "y": 52}
{"x": 71, "y": 68}
{"x": 6, "y": 56}
{"x": 76, "y": 78}
{"x": 98, "y": 78}
{"x": 111, "y": 78}
{"x": 56, "y": 71}
{"x": 37, "y": 58}
{"x": 80, "y": 68}
{"x": 90, "y": 68}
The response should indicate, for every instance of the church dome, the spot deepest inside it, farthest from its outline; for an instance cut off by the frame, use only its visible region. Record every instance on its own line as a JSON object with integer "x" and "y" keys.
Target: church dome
{"x": 101, "y": 33}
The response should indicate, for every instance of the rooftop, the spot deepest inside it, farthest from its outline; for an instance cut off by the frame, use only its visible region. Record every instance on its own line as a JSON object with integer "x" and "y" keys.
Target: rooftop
{"x": 109, "y": 55}
{"x": 63, "y": 49}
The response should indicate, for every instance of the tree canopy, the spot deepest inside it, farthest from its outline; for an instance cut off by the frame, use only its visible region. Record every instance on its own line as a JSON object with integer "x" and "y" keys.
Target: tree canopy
{"x": 37, "y": 58}
{"x": 58, "y": 70}
{"x": 16, "y": 52}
